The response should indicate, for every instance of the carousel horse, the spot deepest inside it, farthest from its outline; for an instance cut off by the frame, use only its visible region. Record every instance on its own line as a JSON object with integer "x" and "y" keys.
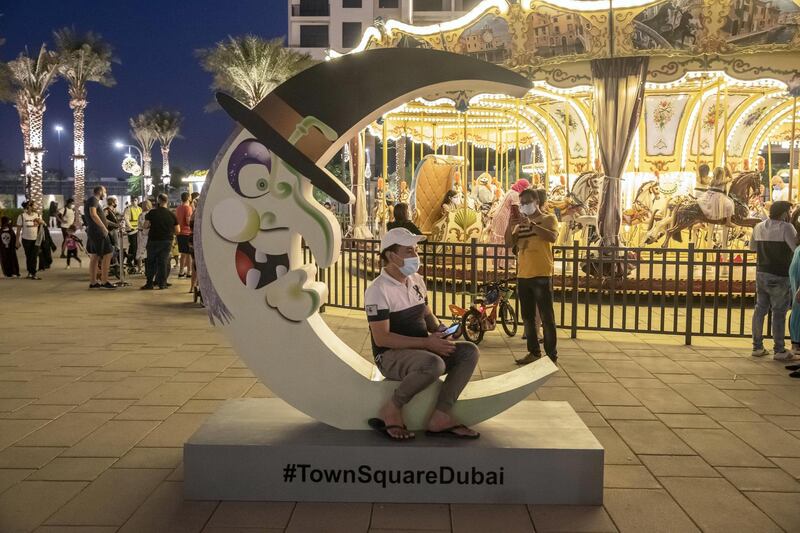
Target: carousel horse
{"x": 404, "y": 195}
{"x": 641, "y": 211}
{"x": 578, "y": 208}
{"x": 686, "y": 212}
{"x": 380, "y": 211}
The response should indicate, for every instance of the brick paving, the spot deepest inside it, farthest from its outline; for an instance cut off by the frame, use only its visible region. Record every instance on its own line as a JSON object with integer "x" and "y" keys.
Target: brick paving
{"x": 99, "y": 390}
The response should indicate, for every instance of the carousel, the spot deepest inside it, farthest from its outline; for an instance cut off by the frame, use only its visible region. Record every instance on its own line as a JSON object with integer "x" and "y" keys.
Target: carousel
{"x": 653, "y": 126}
{"x": 650, "y": 124}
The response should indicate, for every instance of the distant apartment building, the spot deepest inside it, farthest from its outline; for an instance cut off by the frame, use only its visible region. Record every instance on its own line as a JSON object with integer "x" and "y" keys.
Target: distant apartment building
{"x": 317, "y": 25}
{"x": 750, "y": 16}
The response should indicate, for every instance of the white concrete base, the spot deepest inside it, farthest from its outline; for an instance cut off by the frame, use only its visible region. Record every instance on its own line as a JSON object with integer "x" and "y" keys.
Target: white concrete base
{"x": 535, "y": 453}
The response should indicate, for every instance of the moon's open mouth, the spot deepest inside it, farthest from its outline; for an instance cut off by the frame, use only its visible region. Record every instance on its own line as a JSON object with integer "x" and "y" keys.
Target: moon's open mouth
{"x": 257, "y": 269}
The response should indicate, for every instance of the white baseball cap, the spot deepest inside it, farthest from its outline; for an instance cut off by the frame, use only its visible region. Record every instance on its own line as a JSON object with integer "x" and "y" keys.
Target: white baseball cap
{"x": 400, "y": 236}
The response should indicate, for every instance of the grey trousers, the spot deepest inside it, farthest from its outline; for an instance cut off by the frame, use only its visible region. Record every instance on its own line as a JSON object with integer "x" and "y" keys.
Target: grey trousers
{"x": 416, "y": 369}
{"x": 771, "y": 292}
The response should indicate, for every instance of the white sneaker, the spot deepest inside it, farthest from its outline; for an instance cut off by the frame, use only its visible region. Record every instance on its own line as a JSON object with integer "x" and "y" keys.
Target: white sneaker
{"x": 785, "y": 355}
{"x": 761, "y": 352}
{"x": 67, "y": 267}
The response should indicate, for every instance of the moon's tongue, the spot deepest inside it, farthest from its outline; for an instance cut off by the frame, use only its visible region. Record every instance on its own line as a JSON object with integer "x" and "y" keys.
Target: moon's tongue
{"x": 257, "y": 269}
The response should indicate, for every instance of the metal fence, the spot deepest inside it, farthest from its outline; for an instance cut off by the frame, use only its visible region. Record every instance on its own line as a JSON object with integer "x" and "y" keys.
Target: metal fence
{"x": 686, "y": 292}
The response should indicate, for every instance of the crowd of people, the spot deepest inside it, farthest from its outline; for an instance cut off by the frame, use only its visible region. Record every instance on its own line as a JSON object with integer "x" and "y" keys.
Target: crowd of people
{"x": 140, "y": 239}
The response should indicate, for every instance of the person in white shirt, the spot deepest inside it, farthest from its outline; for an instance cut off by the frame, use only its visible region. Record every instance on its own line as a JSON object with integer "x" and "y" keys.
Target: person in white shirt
{"x": 408, "y": 343}
{"x": 66, "y": 218}
{"x": 28, "y": 224}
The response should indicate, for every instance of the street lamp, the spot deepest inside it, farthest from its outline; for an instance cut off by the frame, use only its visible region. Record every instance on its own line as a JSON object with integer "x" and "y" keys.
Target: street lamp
{"x": 59, "y": 129}
{"x": 119, "y": 145}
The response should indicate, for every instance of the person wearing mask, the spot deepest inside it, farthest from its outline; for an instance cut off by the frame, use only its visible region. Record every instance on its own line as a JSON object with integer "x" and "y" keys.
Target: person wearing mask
{"x": 66, "y": 218}
{"x": 774, "y": 242}
{"x": 184, "y": 214}
{"x": 533, "y": 231}
{"x": 401, "y": 220}
{"x": 408, "y": 343}
{"x": 8, "y": 249}
{"x": 130, "y": 225}
{"x": 780, "y": 192}
{"x": 28, "y": 224}
{"x": 98, "y": 242}
{"x": 161, "y": 225}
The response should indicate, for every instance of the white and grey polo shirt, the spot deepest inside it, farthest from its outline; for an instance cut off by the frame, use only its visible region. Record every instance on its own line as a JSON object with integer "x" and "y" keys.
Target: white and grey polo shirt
{"x": 402, "y": 304}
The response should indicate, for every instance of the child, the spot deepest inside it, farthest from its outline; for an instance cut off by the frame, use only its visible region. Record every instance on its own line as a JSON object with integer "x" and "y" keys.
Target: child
{"x": 73, "y": 244}
{"x": 8, "y": 249}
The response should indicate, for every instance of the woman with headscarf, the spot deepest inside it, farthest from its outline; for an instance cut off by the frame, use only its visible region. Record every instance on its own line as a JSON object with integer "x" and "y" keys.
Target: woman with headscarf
{"x": 497, "y": 227}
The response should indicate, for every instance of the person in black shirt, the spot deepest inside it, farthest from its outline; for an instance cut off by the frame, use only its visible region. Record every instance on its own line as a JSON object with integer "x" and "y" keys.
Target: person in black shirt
{"x": 98, "y": 243}
{"x": 401, "y": 220}
{"x": 162, "y": 225}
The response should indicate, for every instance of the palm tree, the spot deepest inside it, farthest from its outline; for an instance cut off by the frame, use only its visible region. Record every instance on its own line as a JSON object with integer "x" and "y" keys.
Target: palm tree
{"x": 143, "y": 131}
{"x": 167, "y": 126}
{"x": 249, "y": 67}
{"x": 33, "y": 77}
{"x": 84, "y": 58}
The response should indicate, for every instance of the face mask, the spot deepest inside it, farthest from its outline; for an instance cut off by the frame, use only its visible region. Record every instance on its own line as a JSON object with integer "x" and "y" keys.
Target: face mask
{"x": 527, "y": 209}
{"x": 410, "y": 266}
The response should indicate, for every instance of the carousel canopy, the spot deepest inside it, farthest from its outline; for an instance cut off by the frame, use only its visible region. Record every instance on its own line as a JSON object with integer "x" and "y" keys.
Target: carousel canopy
{"x": 720, "y": 83}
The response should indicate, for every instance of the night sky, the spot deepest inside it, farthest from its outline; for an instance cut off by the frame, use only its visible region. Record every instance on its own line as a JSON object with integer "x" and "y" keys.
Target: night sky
{"x": 155, "y": 41}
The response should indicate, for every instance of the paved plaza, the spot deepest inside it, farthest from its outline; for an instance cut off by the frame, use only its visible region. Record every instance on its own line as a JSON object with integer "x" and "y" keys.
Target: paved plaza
{"x": 100, "y": 389}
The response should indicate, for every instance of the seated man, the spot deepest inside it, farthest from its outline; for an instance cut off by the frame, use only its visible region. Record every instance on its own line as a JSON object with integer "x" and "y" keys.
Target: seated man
{"x": 408, "y": 343}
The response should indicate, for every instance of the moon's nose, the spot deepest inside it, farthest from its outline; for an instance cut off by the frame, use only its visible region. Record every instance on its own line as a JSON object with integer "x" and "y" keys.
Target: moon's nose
{"x": 235, "y": 220}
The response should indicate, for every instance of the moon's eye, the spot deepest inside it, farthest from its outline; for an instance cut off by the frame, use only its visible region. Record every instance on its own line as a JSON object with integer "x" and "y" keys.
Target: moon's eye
{"x": 253, "y": 181}
{"x": 248, "y": 169}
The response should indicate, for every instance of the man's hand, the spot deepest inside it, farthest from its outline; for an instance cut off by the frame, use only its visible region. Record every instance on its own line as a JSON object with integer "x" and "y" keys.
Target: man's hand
{"x": 440, "y": 346}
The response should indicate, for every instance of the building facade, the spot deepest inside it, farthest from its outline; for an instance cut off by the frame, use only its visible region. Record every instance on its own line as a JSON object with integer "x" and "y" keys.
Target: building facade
{"x": 317, "y": 25}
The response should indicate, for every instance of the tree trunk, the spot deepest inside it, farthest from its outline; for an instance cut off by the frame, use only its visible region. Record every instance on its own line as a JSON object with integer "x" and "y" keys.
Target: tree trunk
{"x": 165, "y": 164}
{"x": 79, "y": 156}
{"x": 24, "y": 126}
{"x": 36, "y": 119}
{"x": 148, "y": 180}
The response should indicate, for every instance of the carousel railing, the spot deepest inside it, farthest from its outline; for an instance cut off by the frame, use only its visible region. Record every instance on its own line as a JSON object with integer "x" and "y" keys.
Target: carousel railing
{"x": 689, "y": 292}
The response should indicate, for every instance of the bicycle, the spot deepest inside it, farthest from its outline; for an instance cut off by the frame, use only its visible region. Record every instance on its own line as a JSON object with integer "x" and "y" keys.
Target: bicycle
{"x": 483, "y": 312}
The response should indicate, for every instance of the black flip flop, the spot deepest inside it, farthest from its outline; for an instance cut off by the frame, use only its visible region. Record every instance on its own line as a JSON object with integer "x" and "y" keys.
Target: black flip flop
{"x": 450, "y": 433}
{"x": 795, "y": 374}
{"x": 380, "y": 426}
{"x": 792, "y": 367}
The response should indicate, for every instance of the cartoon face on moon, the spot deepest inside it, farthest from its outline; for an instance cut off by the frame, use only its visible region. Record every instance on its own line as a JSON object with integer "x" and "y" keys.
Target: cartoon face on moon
{"x": 268, "y": 208}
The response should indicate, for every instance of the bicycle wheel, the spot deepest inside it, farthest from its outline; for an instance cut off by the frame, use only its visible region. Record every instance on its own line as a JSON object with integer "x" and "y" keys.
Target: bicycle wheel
{"x": 508, "y": 317}
{"x": 472, "y": 327}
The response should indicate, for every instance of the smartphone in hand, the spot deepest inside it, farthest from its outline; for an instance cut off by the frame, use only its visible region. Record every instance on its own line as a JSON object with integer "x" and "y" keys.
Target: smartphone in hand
{"x": 452, "y": 330}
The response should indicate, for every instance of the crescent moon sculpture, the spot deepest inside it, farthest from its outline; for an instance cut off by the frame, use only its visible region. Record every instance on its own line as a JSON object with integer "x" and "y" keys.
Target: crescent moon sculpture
{"x": 257, "y": 205}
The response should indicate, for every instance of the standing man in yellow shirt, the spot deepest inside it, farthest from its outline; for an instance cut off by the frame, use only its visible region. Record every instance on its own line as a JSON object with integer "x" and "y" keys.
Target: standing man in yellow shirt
{"x": 533, "y": 231}
{"x": 131, "y": 227}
